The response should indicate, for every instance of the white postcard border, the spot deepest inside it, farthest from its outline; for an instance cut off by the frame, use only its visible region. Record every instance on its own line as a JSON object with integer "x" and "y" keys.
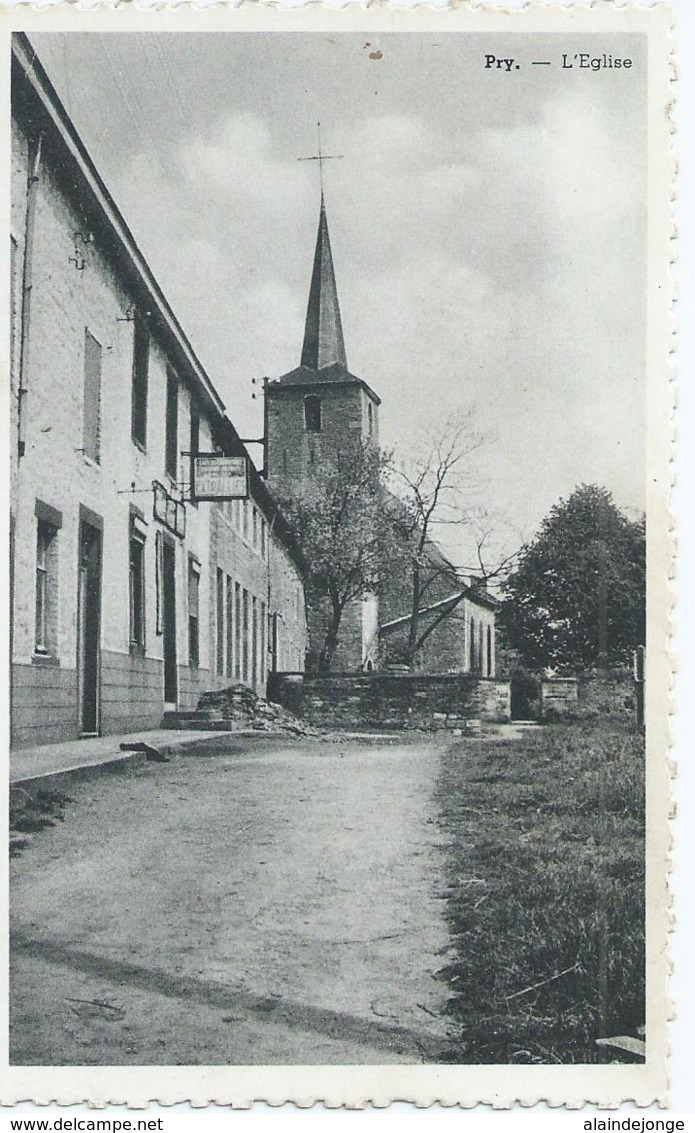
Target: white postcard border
{"x": 499, "y": 1086}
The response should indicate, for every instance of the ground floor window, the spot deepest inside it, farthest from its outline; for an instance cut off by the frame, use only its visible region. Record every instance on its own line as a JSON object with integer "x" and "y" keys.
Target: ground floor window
{"x": 237, "y": 631}
{"x": 44, "y": 538}
{"x": 137, "y": 582}
{"x": 254, "y": 641}
{"x": 220, "y": 623}
{"x": 193, "y": 613}
{"x": 245, "y": 635}
{"x": 46, "y": 591}
{"x": 229, "y": 667}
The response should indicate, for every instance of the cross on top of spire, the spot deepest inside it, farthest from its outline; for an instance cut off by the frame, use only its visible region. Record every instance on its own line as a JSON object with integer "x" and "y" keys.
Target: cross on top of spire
{"x": 321, "y": 157}
{"x": 323, "y": 331}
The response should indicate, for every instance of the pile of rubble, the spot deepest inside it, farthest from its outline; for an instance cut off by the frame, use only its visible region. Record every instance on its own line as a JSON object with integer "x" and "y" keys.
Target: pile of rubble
{"x": 239, "y": 707}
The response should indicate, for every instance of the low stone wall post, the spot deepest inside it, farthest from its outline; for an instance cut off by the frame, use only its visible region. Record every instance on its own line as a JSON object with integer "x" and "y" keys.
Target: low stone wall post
{"x": 559, "y": 694}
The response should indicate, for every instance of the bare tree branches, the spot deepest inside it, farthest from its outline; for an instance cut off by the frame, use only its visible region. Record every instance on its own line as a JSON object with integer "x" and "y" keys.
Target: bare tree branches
{"x": 431, "y": 488}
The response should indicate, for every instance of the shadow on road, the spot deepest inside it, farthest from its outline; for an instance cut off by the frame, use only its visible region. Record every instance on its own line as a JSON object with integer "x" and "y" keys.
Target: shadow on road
{"x": 337, "y": 1025}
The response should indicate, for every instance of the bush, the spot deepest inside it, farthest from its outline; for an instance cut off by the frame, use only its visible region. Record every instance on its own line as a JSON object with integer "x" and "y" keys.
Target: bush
{"x": 526, "y": 694}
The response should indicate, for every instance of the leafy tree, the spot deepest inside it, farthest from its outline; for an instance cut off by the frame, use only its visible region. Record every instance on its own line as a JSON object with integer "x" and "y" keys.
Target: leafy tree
{"x": 577, "y": 595}
{"x": 340, "y": 521}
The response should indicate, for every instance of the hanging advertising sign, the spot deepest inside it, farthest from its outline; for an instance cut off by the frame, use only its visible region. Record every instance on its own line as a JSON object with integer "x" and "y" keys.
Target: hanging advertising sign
{"x": 220, "y": 477}
{"x": 169, "y": 511}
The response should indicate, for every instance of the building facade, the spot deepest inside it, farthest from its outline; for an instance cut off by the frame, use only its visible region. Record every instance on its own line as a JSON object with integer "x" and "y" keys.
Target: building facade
{"x": 128, "y": 598}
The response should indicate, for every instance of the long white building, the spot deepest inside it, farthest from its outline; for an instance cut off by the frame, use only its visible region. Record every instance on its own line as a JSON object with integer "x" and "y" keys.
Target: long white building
{"x": 128, "y": 599}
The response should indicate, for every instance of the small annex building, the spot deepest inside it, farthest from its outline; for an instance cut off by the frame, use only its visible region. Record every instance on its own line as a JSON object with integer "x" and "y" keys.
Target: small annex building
{"x": 128, "y": 598}
{"x": 456, "y": 620}
{"x": 313, "y": 410}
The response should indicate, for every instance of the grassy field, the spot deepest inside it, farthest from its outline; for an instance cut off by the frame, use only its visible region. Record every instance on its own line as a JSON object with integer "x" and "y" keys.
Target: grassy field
{"x": 546, "y": 893}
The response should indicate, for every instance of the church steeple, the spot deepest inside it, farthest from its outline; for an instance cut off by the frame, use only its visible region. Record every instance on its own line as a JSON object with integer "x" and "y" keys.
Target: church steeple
{"x": 323, "y": 331}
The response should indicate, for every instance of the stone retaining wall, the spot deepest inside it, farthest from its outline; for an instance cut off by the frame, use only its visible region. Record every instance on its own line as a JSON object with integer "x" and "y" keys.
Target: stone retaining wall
{"x": 391, "y": 700}
{"x": 589, "y": 695}
{"x": 607, "y": 694}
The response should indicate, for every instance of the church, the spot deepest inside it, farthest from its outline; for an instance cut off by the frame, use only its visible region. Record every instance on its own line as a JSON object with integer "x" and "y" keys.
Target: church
{"x": 310, "y": 413}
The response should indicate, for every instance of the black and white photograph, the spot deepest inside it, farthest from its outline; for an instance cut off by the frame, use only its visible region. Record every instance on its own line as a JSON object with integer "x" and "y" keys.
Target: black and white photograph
{"x": 339, "y": 552}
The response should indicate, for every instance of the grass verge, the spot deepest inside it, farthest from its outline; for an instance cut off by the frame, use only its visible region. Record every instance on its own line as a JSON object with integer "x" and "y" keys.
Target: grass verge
{"x": 545, "y": 896}
{"x": 31, "y": 812}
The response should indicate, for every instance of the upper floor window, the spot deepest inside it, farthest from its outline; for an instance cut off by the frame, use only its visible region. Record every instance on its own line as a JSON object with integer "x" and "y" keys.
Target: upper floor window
{"x": 172, "y": 425}
{"x": 370, "y": 418}
{"x": 91, "y": 411}
{"x": 195, "y": 430}
{"x": 141, "y": 361}
{"x": 312, "y": 414}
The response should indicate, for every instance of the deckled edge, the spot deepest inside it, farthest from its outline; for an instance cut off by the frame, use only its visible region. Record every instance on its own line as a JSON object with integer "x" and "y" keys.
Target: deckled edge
{"x": 427, "y": 1099}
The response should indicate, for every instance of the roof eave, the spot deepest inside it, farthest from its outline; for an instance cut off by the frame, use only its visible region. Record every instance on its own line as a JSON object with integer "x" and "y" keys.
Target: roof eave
{"x": 278, "y": 383}
{"x": 53, "y": 110}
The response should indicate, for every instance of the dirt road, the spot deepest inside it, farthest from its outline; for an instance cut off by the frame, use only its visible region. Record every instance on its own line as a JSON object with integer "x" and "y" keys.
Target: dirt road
{"x": 278, "y": 903}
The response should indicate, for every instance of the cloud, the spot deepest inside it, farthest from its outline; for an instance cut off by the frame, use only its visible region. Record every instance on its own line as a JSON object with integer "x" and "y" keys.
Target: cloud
{"x": 499, "y": 266}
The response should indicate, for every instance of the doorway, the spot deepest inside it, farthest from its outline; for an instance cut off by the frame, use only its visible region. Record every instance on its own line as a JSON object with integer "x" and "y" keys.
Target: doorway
{"x": 89, "y": 630}
{"x": 169, "y": 622}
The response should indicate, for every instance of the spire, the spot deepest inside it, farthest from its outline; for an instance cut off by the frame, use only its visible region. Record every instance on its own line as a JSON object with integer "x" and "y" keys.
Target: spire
{"x": 323, "y": 332}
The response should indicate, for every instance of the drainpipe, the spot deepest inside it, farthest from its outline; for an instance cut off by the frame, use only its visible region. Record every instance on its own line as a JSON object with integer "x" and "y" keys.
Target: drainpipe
{"x": 27, "y": 284}
{"x": 27, "y": 261}
{"x": 268, "y": 554}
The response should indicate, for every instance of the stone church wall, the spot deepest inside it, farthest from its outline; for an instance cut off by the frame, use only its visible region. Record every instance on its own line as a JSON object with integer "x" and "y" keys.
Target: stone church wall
{"x": 292, "y": 451}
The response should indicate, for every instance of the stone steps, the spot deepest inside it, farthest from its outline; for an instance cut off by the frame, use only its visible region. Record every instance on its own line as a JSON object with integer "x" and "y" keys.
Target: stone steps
{"x": 206, "y": 720}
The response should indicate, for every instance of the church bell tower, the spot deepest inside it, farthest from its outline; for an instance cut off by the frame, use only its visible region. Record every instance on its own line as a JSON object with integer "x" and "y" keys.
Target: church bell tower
{"x": 312, "y": 409}
{"x": 312, "y": 412}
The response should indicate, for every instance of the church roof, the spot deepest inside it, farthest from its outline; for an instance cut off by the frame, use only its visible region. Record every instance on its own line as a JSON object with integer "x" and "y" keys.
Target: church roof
{"x": 323, "y": 331}
{"x": 329, "y": 375}
{"x": 474, "y": 596}
{"x": 323, "y": 353}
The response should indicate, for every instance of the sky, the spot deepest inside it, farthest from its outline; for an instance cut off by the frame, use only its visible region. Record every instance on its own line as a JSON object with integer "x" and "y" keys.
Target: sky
{"x": 487, "y": 227}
